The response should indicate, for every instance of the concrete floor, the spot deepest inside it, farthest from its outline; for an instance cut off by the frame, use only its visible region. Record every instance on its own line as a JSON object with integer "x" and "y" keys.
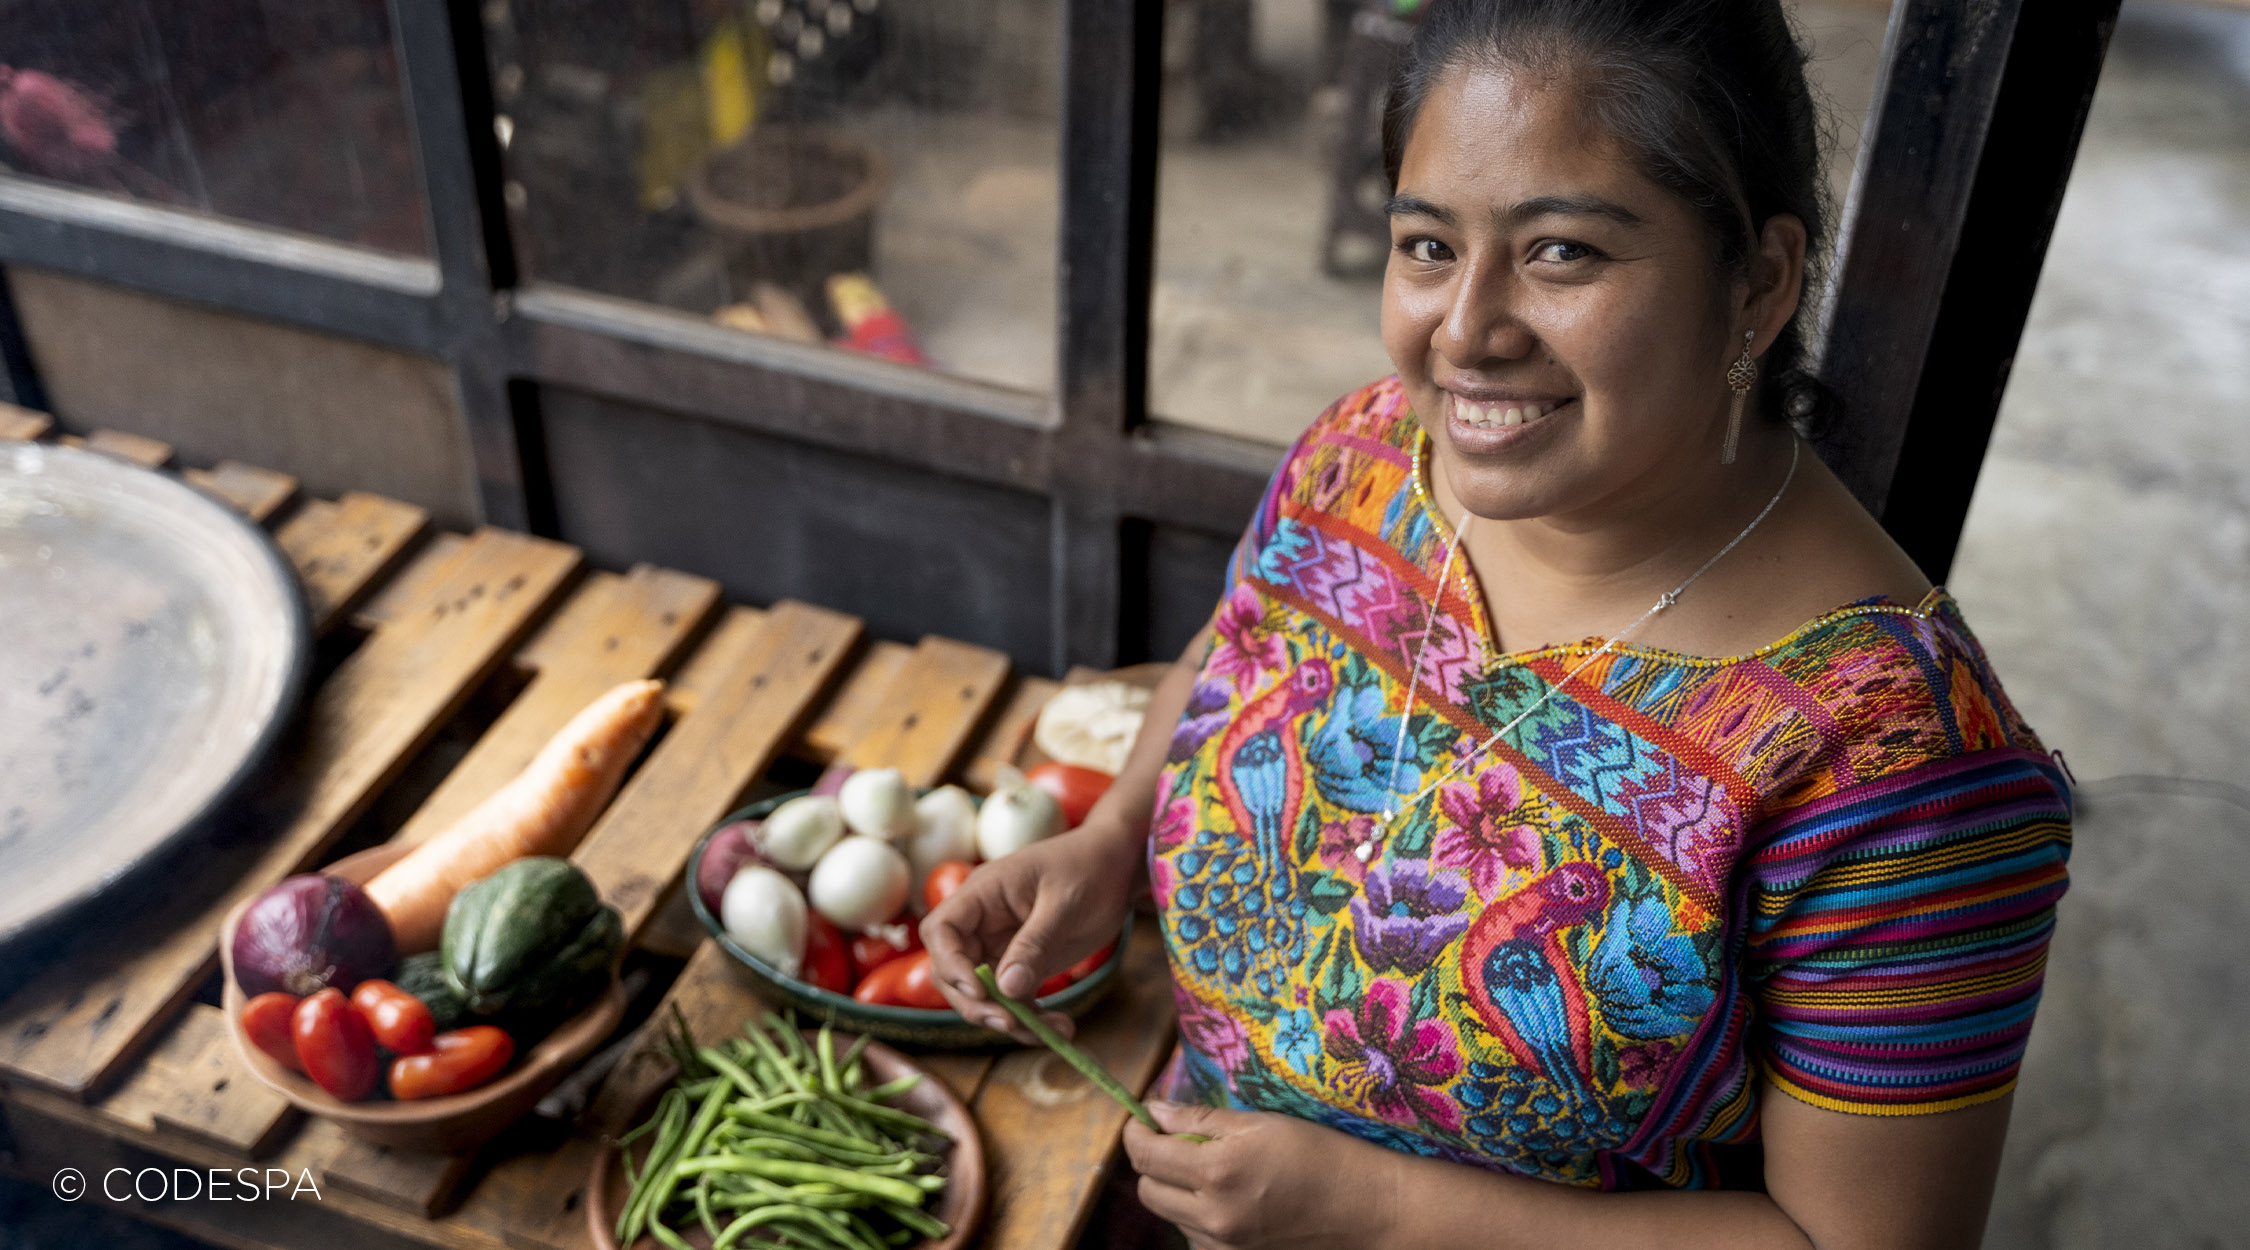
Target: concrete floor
{"x": 2106, "y": 562}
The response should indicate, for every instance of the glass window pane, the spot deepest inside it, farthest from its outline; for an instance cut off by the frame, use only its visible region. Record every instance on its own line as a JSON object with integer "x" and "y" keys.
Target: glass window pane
{"x": 876, "y": 174}
{"x": 1270, "y": 238}
{"x": 280, "y": 112}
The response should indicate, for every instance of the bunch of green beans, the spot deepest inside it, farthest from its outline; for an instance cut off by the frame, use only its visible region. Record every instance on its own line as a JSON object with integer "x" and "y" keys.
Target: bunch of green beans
{"x": 771, "y": 1134}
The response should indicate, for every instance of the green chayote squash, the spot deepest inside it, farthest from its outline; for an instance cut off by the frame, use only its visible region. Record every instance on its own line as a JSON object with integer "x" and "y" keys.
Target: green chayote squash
{"x": 530, "y": 936}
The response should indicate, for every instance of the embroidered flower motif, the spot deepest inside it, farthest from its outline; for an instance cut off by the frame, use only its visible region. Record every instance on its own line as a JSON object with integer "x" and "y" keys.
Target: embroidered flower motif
{"x": 1174, "y": 823}
{"x": 1211, "y": 1032}
{"x": 1338, "y": 843}
{"x": 1393, "y": 1064}
{"x": 1482, "y": 839}
{"x": 1404, "y": 915}
{"x": 1296, "y": 1040}
{"x": 1651, "y": 982}
{"x": 1245, "y": 646}
{"x": 1645, "y": 1065}
{"x": 1204, "y": 716}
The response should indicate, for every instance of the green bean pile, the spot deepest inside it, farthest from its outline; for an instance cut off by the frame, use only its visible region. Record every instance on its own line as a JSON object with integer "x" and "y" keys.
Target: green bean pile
{"x": 769, "y": 1133}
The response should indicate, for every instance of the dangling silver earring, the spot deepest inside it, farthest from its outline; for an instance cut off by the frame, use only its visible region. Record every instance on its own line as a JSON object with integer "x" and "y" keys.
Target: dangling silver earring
{"x": 1740, "y": 376}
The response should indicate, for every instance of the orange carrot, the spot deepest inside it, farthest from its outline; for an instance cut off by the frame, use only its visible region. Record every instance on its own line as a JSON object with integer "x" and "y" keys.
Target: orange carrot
{"x": 545, "y": 810}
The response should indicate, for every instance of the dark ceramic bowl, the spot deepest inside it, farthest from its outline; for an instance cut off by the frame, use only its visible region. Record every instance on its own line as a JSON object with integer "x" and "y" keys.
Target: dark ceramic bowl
{"x": 915, "y": 1026}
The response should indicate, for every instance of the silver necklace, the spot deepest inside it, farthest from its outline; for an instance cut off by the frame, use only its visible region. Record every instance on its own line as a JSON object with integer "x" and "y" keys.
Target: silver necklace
{"x": 1365, "y": 851}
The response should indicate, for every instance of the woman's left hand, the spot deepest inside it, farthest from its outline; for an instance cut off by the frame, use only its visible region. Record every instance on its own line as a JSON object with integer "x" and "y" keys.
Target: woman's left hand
{"x": 1263, "y": 1180}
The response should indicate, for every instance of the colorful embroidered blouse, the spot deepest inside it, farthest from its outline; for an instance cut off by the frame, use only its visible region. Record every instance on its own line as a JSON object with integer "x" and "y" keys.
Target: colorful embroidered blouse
{"x": 1832, "y": 862}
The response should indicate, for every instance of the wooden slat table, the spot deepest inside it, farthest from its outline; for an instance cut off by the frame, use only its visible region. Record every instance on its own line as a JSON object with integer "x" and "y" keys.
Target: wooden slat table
{"x": 112, "y": 1056}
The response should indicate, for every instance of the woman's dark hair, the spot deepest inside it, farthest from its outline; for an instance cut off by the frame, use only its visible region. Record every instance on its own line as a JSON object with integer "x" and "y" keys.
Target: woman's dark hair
{"x": 1709, "y": 96}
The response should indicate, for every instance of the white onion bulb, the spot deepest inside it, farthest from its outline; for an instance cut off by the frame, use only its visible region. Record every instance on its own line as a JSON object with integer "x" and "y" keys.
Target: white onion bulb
{"x": 945, "y": 822}
{"x": 876, "y": 802}
{"x": 765, "y": 915}
{"x": 862, "y": 881}
{"x": 800, "y": 831}
{"x": 1014, "y": 817}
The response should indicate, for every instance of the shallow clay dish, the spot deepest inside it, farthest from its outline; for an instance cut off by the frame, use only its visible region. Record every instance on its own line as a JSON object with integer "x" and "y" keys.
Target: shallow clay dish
{"x": 915, "y": 1026}
{"x": 960, "y": 1204}
{"x": 456, "y": 1121}
{"x": 152, "y": 646}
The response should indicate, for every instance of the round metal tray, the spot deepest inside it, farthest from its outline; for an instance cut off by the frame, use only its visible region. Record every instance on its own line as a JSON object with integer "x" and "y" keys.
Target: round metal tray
{"x": 152, "y": 645}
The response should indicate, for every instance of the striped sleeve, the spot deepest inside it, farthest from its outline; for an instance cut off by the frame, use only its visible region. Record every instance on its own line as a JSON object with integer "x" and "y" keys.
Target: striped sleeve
{"x": 1898, "y": 933}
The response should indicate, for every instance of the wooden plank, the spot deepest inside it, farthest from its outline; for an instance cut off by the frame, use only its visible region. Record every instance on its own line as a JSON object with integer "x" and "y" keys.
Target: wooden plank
{"x": 408, "y": 590}
{"x": 709, "y": 663}
{"x": 74, "y": 1025}
{"x": 51, "y": 1132}
{"x": 1004, "y": 740}
{"x": 341, "y": 549}
{"x": 414, "y": 1182}
{"x": 933, "y": 707}
{"x": 858, "y": 702}
{"x": 673, "y": 931}
{"x": 612, "y": 629}
{"x": 133, "y": 448}
{"x": 712, "y": 756}
{"x": 151, "y": 1083}
{"x": 209, "y": 1095}
{"x": 1049, "y": 1134}
{"x": 254, "y": 492}
{"x": 23, "y": 424}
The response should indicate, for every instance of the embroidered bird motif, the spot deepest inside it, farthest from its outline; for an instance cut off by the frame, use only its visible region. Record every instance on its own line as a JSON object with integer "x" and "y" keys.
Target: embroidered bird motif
{"x": 1519, "y": 980}
{"x": 1260, "y": 763}
{"x": 1246, "y": 888}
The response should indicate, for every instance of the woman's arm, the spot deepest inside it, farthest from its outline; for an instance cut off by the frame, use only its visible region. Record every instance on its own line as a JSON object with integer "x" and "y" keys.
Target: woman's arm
{"x": 1834, "y": 1181}
{"x": 1043, "y": 908}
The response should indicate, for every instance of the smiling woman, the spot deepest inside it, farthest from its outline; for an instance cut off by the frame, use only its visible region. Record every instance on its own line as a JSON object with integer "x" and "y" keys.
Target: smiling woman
{"x": 1582, "y": 794}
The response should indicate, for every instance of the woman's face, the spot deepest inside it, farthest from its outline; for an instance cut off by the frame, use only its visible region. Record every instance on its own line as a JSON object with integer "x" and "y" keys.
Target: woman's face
{"x": 1554, "y": 315}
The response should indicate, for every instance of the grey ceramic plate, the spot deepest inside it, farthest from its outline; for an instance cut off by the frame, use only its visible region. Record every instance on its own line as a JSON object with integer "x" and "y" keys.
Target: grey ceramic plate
{"x": 152, "y": 643}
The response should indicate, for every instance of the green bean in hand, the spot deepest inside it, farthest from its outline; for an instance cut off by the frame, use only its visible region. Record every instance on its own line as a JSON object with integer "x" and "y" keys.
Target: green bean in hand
{"x": 1077, "y": 1058}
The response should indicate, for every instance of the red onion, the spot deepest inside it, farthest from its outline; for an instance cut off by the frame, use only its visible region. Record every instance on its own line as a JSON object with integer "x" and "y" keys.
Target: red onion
{"x": 723, "y": 856}
{"x": 309, "y": 933}
{"x": 833, "y": 777}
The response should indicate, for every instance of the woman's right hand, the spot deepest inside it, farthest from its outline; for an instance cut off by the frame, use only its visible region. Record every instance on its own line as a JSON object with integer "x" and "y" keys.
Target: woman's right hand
{"x": 1031, "y": 914}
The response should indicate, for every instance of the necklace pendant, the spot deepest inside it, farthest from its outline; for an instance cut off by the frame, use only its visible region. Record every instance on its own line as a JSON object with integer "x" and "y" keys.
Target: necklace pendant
{"x": 1364, "y": 852}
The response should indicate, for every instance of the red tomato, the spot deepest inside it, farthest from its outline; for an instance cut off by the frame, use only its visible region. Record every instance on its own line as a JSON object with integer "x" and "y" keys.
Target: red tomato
{"x": 265, "y": 1020}
{"x": 334, "y": 1045}
{"x": 944, "y": 880}
{"x": 400, "y": 1022}
{"x": 889, "y": 941}
{"x": 1074, "y": 787}
{"x": 903, "y": 982}
{"x": 1076, "y": 972}
{"x": 828, "y": 964}
{"x": 460, "y": 1060}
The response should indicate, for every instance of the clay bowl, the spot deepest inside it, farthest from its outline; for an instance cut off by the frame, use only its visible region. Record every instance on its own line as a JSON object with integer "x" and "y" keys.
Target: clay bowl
{"x": 914, "y": 1026}
{"x": 452, "y": 1123}
{"x": 960, "y": 1204}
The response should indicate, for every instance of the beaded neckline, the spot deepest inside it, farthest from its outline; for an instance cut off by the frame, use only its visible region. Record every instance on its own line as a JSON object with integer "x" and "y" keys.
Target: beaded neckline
{"x": 1473, "y": 599}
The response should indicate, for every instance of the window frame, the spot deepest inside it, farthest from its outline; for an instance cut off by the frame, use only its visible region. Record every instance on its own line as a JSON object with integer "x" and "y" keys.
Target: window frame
{"x": 1948, "y": 220}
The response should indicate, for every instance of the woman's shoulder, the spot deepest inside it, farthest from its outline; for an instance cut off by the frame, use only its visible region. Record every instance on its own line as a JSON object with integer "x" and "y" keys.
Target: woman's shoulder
{"x": 1369, "y": 428}
{"x": 1896, "y": 688}
{"x": 1350, "y": 470}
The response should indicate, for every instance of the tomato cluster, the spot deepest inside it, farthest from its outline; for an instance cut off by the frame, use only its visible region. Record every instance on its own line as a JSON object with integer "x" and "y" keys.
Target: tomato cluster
{"x": 339, "y": 1042}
